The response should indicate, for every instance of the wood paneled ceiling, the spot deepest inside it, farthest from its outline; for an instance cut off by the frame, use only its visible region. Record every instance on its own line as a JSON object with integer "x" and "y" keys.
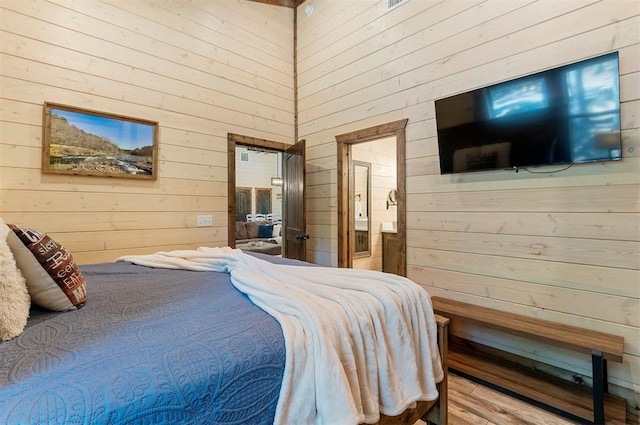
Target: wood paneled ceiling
{"x": 285, "y": 3}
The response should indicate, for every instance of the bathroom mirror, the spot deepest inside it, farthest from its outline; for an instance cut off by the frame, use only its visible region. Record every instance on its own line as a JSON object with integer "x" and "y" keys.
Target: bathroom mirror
{"x": 361, "y": 208}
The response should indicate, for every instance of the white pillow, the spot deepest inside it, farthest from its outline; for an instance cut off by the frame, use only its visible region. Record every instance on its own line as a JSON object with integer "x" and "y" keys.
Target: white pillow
{"x": 14, "y": 297}
{"x": 276, "y": 230}
{"x": 277, "y": 240}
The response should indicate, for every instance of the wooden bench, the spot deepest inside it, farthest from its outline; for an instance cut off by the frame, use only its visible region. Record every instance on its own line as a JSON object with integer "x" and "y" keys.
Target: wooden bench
{"x": 531, "y": 386}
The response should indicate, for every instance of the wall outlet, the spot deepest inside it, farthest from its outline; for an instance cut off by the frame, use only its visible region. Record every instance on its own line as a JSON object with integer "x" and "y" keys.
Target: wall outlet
{"x": 205, "y": 220}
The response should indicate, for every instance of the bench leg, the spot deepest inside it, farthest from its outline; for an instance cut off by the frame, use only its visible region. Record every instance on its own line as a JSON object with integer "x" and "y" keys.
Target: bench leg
{"x": 599, "y": 367}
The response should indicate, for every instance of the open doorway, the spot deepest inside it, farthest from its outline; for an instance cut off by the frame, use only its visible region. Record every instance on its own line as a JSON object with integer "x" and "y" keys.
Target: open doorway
{"x": 373, "y": 176}
{"x": 267, "y": 197}
{"x": 393, "y": 198}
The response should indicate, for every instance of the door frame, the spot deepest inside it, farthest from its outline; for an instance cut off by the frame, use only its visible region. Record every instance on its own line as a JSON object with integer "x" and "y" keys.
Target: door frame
{"x": 232, "y": 141}
{"x": 344, "y": 142}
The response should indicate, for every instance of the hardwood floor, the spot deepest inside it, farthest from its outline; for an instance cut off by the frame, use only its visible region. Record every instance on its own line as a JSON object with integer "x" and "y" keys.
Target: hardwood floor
{"x": 474, "y": 404}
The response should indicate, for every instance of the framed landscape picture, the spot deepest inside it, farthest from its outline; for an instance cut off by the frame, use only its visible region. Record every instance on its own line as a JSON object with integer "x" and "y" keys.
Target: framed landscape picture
{"x": 83, "y": 142}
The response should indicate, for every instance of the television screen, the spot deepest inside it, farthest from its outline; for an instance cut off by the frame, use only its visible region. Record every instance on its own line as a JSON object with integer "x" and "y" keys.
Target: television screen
{"x": 564, "y": 115}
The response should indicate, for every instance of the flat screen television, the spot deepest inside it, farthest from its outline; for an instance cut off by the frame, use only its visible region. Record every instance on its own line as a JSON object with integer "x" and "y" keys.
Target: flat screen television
{"x": 565, "y": 115}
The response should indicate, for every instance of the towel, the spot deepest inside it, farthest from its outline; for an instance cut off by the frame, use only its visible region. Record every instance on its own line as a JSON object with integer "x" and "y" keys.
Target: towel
{"x": 358, "y": 342}
{"x": 358, "y": 209}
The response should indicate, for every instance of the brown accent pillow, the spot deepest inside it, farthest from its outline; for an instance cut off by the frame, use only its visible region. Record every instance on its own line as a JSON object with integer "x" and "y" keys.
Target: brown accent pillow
{"x": 252, "y": 229}
{"x": 241, "y": 230}
{"x": 53, "y": 279}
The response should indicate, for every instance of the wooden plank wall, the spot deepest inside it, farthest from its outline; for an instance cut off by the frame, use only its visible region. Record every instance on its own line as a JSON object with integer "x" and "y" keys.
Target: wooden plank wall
{"x": 201, "y": 69}
{"x": 561, "y": 246}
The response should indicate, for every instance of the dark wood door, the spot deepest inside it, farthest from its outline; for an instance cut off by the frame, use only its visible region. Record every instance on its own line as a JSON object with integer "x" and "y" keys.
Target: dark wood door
{"x": 294, "y": 216}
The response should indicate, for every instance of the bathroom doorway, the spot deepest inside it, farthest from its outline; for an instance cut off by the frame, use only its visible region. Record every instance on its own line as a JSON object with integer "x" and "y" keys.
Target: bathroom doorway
{"x": 387, "y": 197}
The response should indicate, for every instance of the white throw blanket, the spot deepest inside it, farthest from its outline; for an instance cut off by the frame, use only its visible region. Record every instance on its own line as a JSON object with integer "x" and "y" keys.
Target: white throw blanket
{"x": 358, "y": 342}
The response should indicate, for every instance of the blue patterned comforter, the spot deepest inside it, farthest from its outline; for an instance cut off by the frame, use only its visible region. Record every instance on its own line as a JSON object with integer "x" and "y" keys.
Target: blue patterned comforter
{"x": 150, "y": 347}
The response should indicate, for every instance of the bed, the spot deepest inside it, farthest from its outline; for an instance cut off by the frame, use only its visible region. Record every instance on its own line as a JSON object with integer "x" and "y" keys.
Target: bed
{"x": 156, "y": 346}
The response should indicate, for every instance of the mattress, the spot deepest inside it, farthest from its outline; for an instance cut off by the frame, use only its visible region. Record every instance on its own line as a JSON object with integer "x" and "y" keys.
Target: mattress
{"x": 150, "y": 346}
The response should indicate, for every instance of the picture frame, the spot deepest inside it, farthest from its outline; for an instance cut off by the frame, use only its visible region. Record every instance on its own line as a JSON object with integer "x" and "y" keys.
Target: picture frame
{"x": 90, "y": 143}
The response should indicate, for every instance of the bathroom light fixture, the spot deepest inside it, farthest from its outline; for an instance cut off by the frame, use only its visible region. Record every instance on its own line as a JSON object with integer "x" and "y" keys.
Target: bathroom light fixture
{"x": 392, "y": 198}
{"x": 308, "y": 10}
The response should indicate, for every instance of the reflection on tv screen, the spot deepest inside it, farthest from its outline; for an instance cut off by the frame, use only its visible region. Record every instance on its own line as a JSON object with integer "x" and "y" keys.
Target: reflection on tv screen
{"x": 518, "y": 97}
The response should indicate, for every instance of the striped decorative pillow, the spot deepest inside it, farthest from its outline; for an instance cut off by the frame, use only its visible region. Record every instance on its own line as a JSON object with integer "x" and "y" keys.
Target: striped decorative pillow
{"x": 53, "y": 279}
